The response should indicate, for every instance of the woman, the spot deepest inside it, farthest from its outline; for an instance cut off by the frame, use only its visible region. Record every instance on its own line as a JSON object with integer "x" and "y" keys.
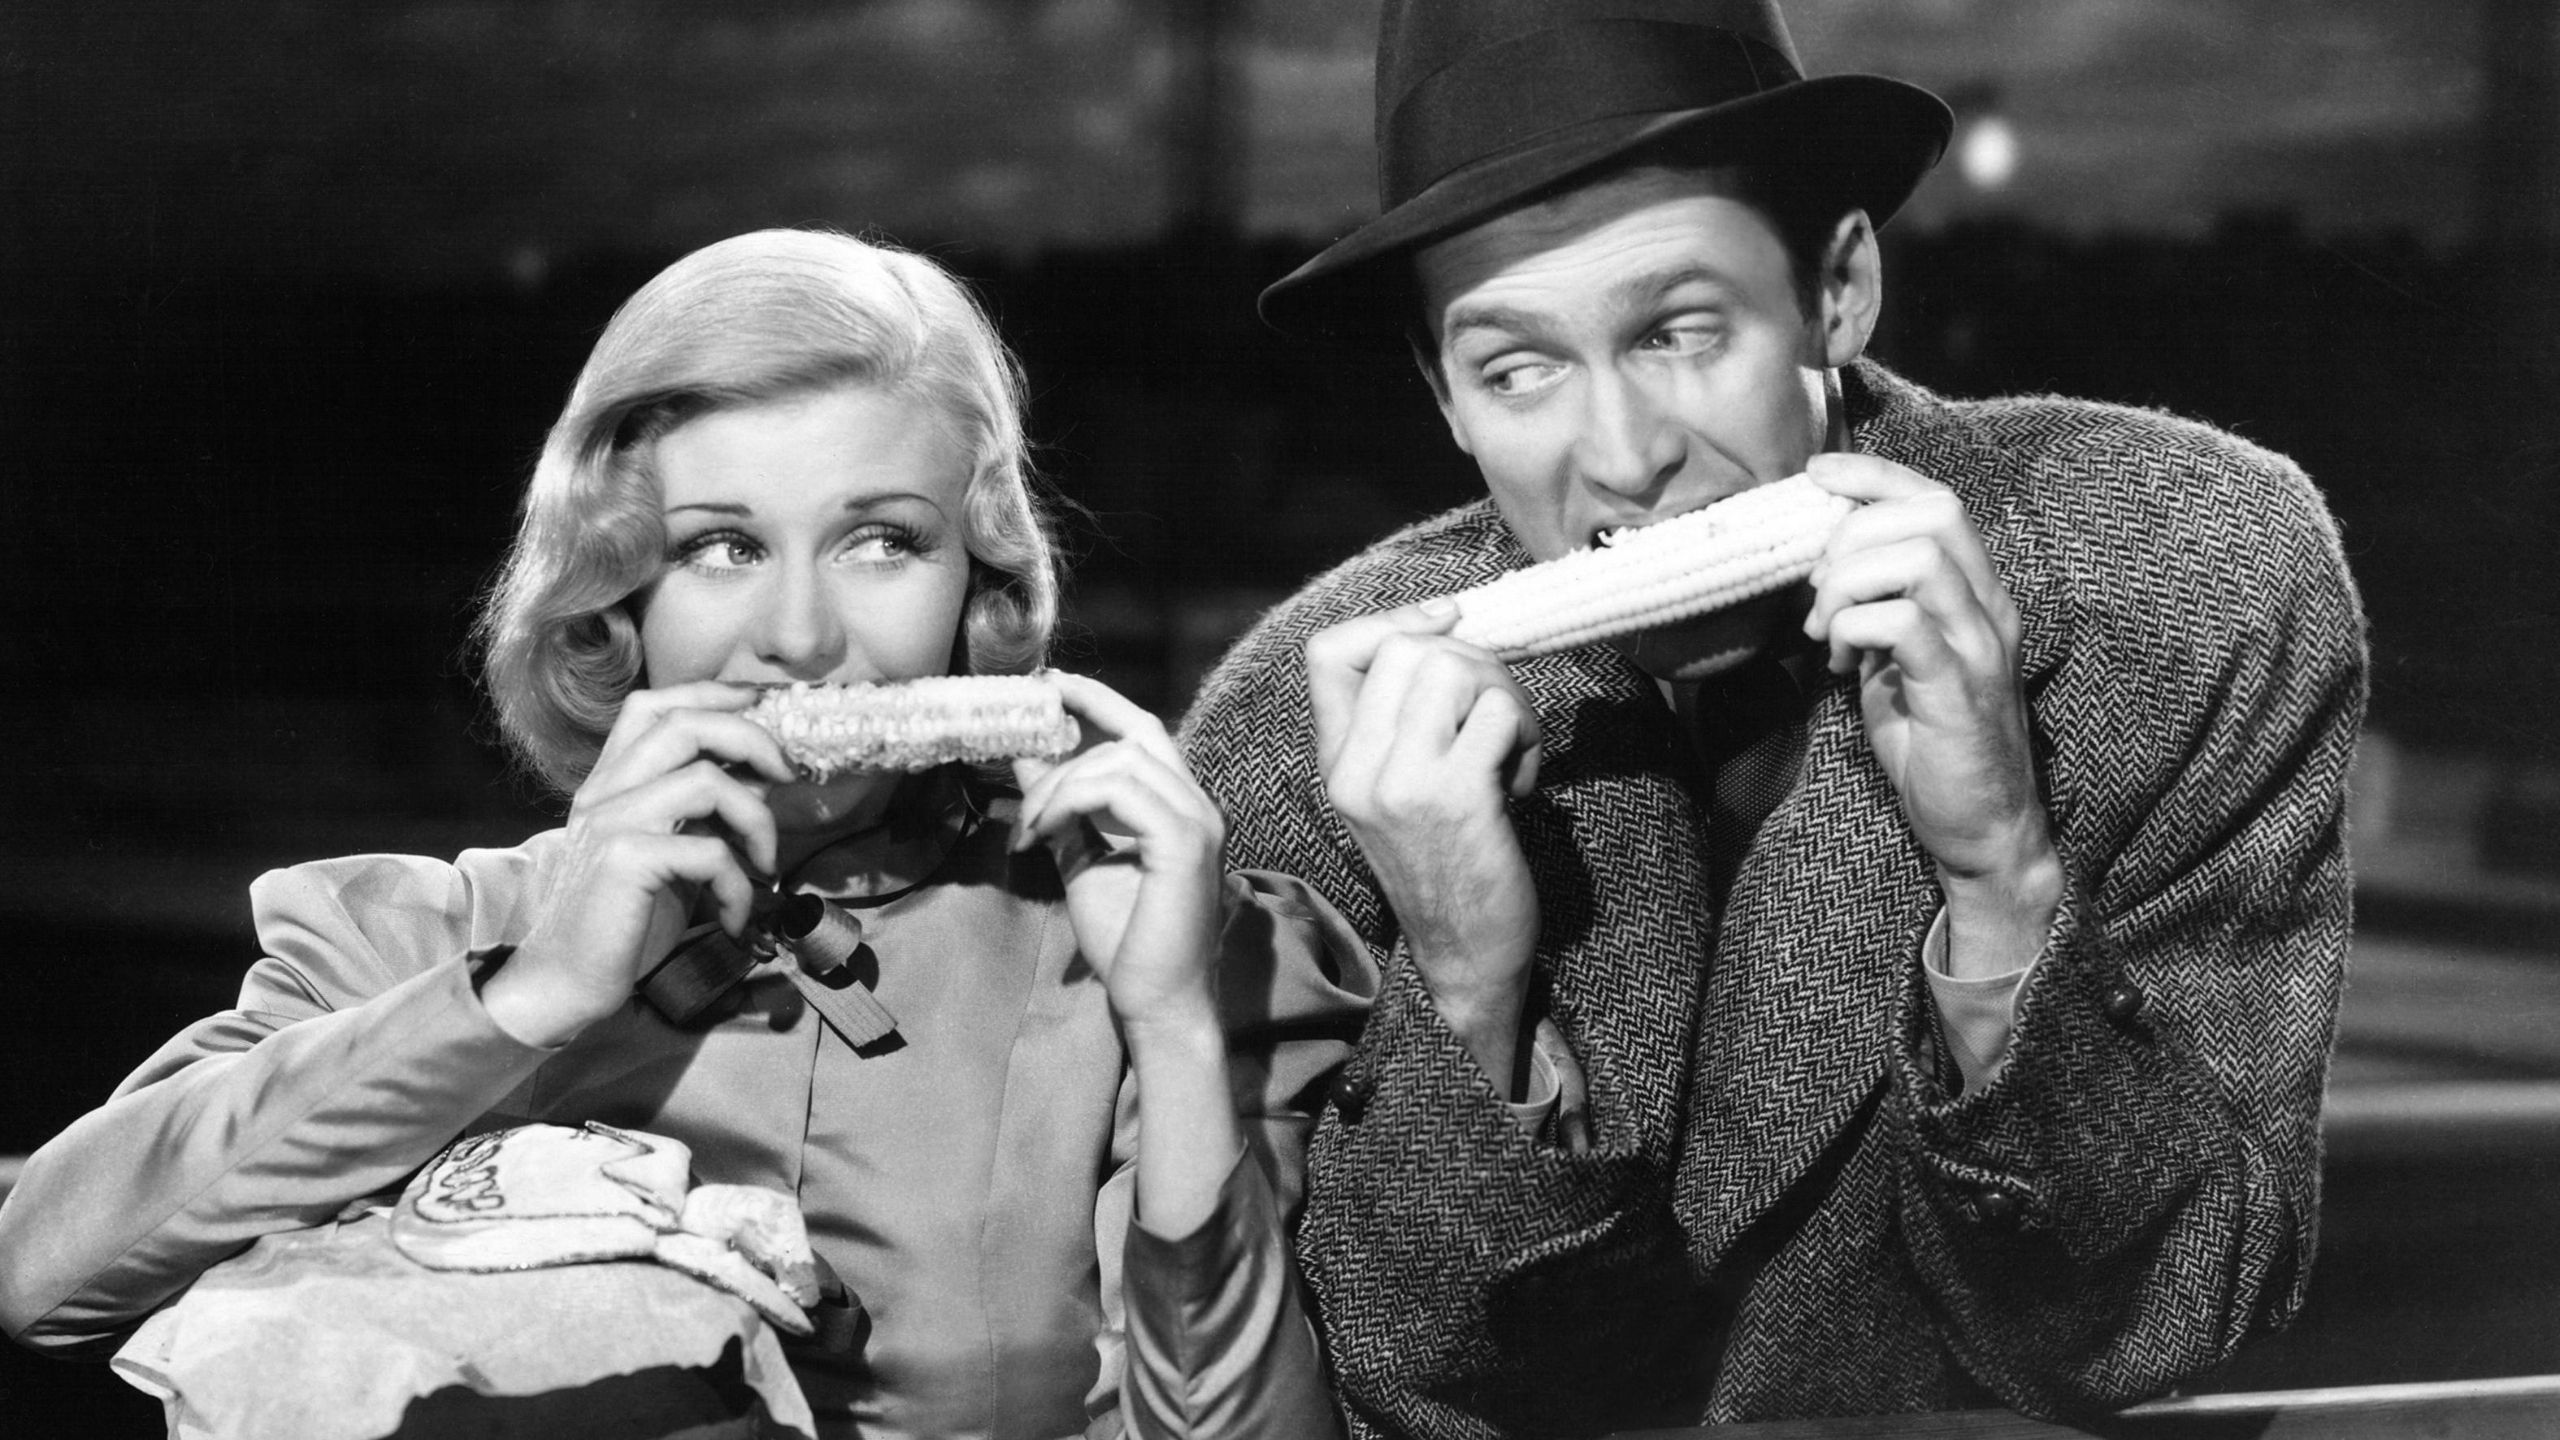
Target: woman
{"x": 792, "y": 456}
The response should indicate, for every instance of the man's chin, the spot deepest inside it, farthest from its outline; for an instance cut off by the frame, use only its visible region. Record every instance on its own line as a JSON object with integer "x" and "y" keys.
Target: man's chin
{"x": 1704, "y": 646}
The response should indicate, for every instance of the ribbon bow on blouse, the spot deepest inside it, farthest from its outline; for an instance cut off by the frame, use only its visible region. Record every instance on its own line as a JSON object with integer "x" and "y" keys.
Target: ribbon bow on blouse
{"x": 815, "y": 933}
{"x": 818, "y": 935}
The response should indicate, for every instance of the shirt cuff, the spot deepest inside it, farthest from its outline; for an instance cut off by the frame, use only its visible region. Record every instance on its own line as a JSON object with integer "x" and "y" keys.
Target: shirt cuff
{"x": 1531, "y": 1111}
{"x": 1974, "y": 1015}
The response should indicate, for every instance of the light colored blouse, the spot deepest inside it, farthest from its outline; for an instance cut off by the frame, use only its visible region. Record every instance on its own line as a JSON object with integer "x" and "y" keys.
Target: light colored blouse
{"x": 970, "y": 1178}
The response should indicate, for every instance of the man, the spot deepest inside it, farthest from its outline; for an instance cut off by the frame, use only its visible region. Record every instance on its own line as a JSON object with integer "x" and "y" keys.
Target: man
{"x": 1949, "y": 948}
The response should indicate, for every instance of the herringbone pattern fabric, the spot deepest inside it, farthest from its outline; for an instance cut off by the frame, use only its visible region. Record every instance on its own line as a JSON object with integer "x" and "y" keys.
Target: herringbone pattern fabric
{"x": 1783, "y": 1213}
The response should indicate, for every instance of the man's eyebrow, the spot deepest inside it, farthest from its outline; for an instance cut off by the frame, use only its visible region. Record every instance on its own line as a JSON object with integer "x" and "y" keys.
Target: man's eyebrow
{"x": 1506, "y": 318}
{"x": 1639, "y": 291}
{"x": 1635, "y": 292}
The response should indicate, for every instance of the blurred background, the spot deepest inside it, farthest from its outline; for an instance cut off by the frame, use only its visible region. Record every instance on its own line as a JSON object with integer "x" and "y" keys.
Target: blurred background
{"x": 289, "y": 291}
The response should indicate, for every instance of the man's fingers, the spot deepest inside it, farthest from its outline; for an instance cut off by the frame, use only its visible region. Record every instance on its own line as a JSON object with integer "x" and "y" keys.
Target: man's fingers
{"x": 1500, "y": 734}
{"x": 1339, "y": 658}
{"x": 1915, "y": 570}
{"x": 1868, "y": 478}
{"x": 1372, "y": 726}
{"x": 1897, "y": 629}
{"x": 1934, "y": 514}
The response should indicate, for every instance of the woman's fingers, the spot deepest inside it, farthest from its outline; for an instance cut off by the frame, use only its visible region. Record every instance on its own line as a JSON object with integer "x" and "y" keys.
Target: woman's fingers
{"x": 678, "y": 737}
{"x": 1125, "y": 788}
{"x": 697, "y": 795}
{"x": 1116, "y": 716}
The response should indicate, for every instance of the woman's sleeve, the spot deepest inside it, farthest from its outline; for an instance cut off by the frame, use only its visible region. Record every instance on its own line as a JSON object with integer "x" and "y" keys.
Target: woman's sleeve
{"x": 1214, "y": 1331}
{"x": 358, "y": 1049}
{"x": 1217, "y": 1337}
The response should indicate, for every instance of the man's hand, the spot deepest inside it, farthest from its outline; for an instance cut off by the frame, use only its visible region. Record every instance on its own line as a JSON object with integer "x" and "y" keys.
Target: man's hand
{"x": 1420, "y": 738}
{"x": 1907, "y": 600}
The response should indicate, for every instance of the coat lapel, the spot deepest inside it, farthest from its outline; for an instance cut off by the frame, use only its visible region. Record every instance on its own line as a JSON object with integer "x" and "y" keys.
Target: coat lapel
{"x": 1823, "y": 916}
{"x": 1826, "y": 916}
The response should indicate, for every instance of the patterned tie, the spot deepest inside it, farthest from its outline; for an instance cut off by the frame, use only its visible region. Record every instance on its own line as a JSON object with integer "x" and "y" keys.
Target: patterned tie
{"x": 1748, "y": 725}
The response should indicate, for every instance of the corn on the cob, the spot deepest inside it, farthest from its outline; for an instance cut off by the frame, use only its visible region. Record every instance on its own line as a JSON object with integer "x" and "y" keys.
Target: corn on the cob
{"x": 1762, "y": 539}
{"x": 916, "y": 724}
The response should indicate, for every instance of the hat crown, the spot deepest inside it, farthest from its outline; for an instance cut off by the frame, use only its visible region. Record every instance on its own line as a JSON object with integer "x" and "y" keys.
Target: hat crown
{"x": 1458, "y": 80}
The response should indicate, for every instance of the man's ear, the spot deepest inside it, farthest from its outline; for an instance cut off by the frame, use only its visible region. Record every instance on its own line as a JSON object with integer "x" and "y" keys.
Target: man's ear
{"x": 1851, "y": 294}
{"x": 1426, "y": 358}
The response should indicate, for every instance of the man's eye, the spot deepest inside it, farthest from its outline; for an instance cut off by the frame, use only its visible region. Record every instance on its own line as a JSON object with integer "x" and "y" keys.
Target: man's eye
{"x": 1522, "y": 378}
{"x": 719, "y": 550}
{"x": 1683, "y": 339}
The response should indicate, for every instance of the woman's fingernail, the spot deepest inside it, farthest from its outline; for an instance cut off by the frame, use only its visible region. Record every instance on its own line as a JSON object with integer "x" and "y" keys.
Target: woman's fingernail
{"x": 1440, "y": 608}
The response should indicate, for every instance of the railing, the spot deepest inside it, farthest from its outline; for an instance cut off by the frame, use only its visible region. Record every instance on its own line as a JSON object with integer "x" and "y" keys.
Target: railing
{"x": 2524, "y": 1408}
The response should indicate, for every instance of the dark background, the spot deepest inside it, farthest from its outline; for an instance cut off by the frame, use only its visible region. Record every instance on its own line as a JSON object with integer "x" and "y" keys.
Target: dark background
{"x": 289, "y": 293}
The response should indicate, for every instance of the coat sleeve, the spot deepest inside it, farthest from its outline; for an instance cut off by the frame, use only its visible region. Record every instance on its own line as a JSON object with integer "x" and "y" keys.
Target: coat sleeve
{"x": 340, "y": 1071}
{"x": 1427, "y": 1183}
{"x": 2136, "y": 1193}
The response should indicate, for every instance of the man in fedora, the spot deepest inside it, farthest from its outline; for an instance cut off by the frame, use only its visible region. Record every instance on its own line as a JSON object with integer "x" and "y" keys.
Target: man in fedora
{"x": 1948, "y": 948}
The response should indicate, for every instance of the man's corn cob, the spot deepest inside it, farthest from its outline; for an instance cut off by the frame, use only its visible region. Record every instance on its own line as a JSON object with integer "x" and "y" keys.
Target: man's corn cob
{"x": 916, "y": 724}
{"x": 1762, "y": 539}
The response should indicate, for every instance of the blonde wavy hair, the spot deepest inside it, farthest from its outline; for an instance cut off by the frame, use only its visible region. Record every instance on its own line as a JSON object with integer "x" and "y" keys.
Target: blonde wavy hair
{"x": 747, "y": 320}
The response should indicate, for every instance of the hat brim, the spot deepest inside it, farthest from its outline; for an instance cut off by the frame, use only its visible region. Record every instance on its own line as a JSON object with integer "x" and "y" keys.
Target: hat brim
{"x": 1868, "y": 138}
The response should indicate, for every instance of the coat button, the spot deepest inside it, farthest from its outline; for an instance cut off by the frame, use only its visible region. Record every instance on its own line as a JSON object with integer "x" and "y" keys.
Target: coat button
{"x": 1350, "y": 1096}
{"x": 2123, "y": 1002}
{"x": 1995, "y": 1209}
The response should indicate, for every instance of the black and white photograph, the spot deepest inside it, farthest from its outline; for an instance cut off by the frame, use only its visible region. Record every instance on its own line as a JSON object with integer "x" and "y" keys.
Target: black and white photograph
{"x": 1351, "y": 719}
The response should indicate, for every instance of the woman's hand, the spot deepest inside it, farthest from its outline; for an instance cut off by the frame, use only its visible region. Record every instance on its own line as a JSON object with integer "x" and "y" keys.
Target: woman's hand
{"x": 1145, "y": 901}
{"x": 616, "y": 896}
{"x": 1146, "y": 904}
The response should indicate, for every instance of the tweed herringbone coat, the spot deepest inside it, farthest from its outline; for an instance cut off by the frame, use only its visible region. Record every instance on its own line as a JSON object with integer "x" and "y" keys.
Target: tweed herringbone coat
{"x": 1785, "y": 1212}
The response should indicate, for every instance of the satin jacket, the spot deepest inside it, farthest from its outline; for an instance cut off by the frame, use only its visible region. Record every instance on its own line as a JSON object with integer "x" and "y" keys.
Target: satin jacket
{"x": 970, "y": 1179}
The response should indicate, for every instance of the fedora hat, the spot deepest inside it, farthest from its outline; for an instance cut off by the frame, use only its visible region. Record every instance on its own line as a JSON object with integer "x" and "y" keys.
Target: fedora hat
{"x": 1486, "y": 104}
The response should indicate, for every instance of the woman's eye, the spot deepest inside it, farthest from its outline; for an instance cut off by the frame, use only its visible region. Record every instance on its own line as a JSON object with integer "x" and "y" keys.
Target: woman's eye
{"x": 883, "y": 544}
{"x": 719, "y": 550}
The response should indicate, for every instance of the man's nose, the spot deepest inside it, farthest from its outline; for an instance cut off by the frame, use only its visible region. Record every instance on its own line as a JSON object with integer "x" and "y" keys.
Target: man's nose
{"x": 800, "y": 631}
{"x": 1628, "y": 444}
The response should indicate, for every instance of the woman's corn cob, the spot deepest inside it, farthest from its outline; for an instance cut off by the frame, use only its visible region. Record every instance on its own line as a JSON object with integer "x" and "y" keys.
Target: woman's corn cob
{"x": 1762, "y": 539}
{"x": 916, "y": 724}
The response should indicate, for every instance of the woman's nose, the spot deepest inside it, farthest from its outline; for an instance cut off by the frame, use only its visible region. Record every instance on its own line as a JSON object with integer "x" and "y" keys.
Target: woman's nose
{"x": 799, "y": 631}
{"x": 1628, "y": 445}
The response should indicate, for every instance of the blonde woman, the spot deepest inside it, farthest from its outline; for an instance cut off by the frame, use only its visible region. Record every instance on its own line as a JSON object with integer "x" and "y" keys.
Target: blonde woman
{"x": 793, "y": 456}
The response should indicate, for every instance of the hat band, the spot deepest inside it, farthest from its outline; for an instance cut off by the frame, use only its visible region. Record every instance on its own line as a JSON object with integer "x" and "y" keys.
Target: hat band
{"x": 1510, "y": 93}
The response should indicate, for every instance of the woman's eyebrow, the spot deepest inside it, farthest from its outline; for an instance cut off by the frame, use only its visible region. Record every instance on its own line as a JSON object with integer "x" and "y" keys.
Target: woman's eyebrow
{"x": 713, "y": 507}
{"x": 889, "y": 497}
